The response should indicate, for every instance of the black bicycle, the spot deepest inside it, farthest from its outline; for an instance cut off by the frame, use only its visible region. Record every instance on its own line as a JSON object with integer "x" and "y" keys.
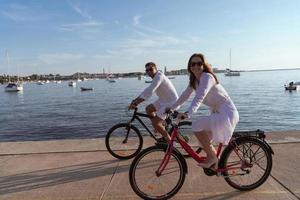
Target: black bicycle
{"x": 125, "y": 141}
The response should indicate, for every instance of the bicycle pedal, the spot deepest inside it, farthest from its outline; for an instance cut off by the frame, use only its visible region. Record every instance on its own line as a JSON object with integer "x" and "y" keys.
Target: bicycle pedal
{"x": 209, "y": 171}
{"x": 161, "y": 140}
{"x": 165, "y": 145}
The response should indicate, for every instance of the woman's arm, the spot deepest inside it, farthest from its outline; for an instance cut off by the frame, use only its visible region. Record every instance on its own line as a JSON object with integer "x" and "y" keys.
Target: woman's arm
{"x": 183, "y": 97}
{"x": 207, "y": 81}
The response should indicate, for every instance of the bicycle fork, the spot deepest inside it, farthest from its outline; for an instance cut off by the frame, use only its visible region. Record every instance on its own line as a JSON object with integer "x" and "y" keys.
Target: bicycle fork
{"x": 127, "y": 129}
{"x": 166, "y": 158}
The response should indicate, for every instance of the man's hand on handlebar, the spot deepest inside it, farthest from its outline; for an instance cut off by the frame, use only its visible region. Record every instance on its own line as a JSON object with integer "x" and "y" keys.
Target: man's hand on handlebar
{"x": 132, "y": 105}
{"x": 135, "y": 102}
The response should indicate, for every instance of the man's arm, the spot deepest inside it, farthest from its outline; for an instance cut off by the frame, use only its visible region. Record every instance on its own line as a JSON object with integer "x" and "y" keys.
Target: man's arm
{"x": 136, "y": 102}
{"x": 147, "y": 93}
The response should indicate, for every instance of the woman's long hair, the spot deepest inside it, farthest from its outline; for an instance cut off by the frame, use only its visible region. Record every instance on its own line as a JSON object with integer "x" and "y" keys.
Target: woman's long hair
{"x": 207, "y": 68}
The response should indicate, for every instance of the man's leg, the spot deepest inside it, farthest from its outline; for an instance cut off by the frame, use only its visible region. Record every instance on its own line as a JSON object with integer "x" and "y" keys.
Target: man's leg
{"x": 157, "y": 122}
{"x": 150, "y": 110}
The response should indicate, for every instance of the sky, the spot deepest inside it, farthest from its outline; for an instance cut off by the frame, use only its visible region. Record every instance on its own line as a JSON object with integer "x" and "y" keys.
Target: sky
{"x": 119, "y": 36}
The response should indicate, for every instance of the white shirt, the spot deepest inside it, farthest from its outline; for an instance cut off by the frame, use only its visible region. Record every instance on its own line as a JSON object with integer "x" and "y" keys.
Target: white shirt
{"x": 207, "y": 91}
{"x": 163, "y": 87}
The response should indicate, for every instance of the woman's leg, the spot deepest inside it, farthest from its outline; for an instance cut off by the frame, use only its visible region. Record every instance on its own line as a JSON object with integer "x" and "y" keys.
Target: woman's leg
{"x": 204, "y": 139}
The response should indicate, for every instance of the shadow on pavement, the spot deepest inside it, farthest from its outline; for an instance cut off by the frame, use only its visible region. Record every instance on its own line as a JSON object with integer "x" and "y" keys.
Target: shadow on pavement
{"x": 56, "y": 176}
{"x": 224, "y": 196}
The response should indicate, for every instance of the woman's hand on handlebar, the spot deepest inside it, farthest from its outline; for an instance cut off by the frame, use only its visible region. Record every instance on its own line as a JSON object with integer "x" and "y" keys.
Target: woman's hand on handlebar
{"x": 182, "y": 116}
{"x": 168, "y": 110}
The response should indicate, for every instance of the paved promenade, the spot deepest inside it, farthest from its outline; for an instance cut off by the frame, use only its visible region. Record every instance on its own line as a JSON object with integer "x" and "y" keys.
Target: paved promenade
{"x": 83, "y": 169}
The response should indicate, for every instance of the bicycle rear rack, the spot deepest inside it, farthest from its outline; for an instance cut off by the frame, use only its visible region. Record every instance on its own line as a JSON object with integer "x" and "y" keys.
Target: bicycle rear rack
{"x": 258, "y": 133}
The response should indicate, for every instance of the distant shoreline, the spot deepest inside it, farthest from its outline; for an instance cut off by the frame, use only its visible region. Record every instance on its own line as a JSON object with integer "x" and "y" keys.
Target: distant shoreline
{"x": 36, "y": 77}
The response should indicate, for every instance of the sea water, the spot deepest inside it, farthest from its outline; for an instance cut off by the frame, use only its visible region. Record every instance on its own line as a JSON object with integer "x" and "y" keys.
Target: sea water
{"x": 57, "y": 111}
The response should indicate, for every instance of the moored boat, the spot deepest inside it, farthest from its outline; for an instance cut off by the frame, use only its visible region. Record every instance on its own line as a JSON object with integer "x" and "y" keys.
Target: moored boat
{"x": 14, "y": 87}
{"x": 292, "y": 86}
{"x": 86, "y": 88}
{"x": 230, "y": 72}
{"x": 111, "y": 80}
{"x": 171, "y": 77}
{"x": 40, "y": 83}
{"x": 72, "y": 83}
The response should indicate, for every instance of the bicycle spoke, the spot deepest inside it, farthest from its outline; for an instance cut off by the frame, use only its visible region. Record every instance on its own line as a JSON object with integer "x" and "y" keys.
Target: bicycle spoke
{"x": 253, "y": 156}
{"x": 248, "y": 164}
{"x": 123, "y": 143}
{"x": 147, "y": 177}
{"x": 143, "y": 177}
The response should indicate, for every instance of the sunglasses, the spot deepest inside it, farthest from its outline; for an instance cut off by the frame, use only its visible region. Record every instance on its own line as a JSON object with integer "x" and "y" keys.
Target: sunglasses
{"x": 193, "y": 64}
{"x": 149, "y": 70}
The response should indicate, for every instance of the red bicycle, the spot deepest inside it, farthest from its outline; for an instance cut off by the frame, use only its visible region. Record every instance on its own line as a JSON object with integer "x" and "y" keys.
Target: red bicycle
{"x": 158, "y": 172}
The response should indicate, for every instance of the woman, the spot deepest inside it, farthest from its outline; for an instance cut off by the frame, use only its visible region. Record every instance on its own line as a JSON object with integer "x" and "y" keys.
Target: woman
{"x": 220, "y": 124}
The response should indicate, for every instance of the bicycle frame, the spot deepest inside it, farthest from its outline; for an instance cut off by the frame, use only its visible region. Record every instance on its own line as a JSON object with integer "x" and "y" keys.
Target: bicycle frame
{"x": 136, "y": 116}
{"x": 192, "y": 153}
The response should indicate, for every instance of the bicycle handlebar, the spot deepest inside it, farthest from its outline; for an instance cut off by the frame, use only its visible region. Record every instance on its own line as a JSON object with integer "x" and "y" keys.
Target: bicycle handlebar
{"x": 174, "y": 115}
{"x": 171, "y": 115}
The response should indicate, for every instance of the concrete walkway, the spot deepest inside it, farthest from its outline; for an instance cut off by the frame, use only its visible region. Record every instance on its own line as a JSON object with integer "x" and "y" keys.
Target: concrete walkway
{"x": 83, "y": 169}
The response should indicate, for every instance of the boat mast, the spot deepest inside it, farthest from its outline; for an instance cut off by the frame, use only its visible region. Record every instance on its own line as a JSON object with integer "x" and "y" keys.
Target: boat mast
{"x": 17, "y": 73}
{"x": 230, "y": 59}
{"x": 7, "y": 60}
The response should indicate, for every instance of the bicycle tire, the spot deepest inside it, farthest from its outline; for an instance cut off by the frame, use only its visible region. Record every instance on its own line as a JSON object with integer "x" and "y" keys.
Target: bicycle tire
{"x": 257, "y": 159}
{"x": 143, "y": 171}
{"x": 120, "y": 148}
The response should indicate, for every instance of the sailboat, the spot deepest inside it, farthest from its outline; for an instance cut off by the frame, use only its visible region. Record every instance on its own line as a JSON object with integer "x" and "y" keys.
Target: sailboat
{"x": 56, "y": 81}
{"x": 72, "y": 83}
{"x": 111, "y": 78}
{"x": 78, "y": 77}
{"x": 12, "y": 87}
{"x": 230, "y": 72}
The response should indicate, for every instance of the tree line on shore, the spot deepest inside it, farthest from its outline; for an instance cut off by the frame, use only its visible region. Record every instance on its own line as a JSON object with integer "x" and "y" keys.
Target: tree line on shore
{"x": 78, "y": 75}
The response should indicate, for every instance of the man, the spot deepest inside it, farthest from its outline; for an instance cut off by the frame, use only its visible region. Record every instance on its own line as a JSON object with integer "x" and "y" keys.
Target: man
{"x": 166, "y": 93}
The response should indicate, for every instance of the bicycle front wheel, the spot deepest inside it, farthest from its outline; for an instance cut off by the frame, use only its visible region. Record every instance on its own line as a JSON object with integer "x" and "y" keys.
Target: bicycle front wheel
{"x": 248, "y": 163}
{"x": 144, "y": 180}
{"x": 123, "y": 141}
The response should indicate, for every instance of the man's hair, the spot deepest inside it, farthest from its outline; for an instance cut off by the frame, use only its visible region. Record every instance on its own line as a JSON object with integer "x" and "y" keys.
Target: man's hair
{"x": 150, "y": 64}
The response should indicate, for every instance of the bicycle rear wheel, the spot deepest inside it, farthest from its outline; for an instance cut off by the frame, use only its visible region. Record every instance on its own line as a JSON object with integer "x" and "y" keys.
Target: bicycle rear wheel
{"x": 144, "y": 180}
{"x": 248, "y": 162}
{"x": 123, "y": 141}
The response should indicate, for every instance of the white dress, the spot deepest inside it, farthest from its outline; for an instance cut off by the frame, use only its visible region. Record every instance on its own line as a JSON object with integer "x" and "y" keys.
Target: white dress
{"x": 165, "y": 91}
{"x": 224, "y": 115}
